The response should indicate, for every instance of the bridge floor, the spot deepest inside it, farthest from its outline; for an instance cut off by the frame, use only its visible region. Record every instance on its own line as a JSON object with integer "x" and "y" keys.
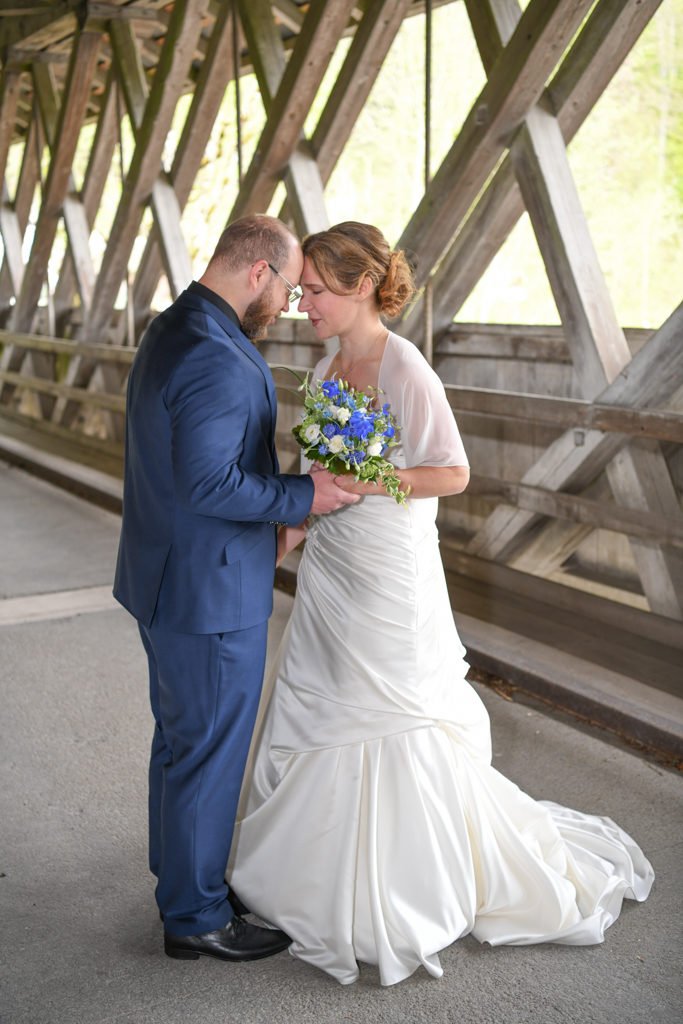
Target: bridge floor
{"x": 80, "y": 937}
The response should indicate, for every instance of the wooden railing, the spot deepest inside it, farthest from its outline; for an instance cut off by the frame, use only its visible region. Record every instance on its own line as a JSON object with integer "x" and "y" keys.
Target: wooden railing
{"x": 469, "y": 403}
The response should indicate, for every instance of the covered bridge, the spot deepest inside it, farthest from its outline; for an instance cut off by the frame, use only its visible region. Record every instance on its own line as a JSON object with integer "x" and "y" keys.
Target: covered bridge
{"x": 565, "y": 554}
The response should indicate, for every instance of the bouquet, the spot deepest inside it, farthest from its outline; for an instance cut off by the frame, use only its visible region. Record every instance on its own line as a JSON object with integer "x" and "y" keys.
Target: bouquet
{"x": 342, "y": 431}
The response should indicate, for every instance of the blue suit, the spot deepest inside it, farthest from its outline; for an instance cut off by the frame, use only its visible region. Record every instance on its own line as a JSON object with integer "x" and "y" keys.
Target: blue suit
{"x": 202, "y": 500}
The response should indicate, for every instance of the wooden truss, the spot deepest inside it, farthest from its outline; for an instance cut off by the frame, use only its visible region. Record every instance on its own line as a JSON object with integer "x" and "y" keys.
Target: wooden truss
{"x": 66, "y": 344}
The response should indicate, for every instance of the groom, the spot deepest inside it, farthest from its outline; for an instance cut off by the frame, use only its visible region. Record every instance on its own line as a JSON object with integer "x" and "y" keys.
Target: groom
{"x": 202, "y": 502}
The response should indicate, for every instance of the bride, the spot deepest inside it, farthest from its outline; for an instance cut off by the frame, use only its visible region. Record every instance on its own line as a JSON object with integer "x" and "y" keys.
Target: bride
{"x": 374, "y": 827}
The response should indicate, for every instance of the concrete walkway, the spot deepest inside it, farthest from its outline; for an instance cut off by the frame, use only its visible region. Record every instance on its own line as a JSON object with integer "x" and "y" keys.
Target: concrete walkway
{"x": 80, "y": 940}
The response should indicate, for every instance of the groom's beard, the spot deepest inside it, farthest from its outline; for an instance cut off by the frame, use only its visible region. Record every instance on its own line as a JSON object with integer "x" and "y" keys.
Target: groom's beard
{"x": 259, "y": 315}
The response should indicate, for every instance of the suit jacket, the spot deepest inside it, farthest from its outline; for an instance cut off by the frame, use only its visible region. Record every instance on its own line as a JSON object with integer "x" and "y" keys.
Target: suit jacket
{"x": 202, "y": 491}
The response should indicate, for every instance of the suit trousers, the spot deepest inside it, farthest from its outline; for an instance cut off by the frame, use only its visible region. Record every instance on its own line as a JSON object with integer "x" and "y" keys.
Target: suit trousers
{"x": 204, "y": 693}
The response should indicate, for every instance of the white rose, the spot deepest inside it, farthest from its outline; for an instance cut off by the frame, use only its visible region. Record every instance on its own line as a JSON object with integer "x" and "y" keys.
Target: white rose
{"x": 342, "y": 416}
{"x": 375, "y": 449}
{"x": 312, "y": 432}
{"x": 337, "y": 443}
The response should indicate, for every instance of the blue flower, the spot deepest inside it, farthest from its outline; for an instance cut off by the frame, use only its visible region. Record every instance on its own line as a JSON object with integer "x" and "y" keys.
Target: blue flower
{"x": 330, "y": 388}
{"x": 361, "y": 424}
{"x": 389, "y": 430}
{"x": 330, "y": 429}
{"x": 357, "y": 457}
{"x": 323, "y": 449}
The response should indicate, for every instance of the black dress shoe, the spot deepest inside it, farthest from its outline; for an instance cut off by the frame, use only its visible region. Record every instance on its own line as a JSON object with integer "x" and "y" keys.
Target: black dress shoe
{"x": 238, "y": 941}
{"x": 235, "y": 902}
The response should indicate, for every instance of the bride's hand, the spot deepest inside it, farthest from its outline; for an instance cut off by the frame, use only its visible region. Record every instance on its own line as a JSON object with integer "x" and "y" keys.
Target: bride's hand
{"x": 348, "y": 482}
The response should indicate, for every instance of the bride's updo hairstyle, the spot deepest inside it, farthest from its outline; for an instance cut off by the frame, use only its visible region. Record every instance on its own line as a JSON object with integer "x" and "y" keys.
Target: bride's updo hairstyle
{"x": 348, "y": 252}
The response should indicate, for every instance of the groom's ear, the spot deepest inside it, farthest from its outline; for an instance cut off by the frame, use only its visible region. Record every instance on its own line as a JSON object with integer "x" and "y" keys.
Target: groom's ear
{"x": 257, "y": 272}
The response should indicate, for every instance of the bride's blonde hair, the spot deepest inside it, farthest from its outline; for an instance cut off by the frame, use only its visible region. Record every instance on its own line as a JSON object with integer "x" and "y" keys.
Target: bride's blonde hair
{"x": 346, "y": 253}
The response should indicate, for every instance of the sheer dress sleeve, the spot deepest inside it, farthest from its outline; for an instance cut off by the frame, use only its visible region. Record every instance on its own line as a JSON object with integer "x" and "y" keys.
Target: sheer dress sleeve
{"x": 429, "y": 433}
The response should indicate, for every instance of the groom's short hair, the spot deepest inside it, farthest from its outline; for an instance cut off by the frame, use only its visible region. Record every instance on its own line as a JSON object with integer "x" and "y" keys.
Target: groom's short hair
{"x": 251, "y": 238}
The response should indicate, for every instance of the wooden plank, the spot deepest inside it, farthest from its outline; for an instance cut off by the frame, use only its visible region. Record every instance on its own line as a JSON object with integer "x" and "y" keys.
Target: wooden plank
{"x": 56, "y": 19}
{"x": 579, "y": 509}
{"x": 653, "y": 720}
{"x": 77, "y": 91}
{"x": 599, "y": 349}
{"x": 597, "y": 344}
{"x": 216, "y": 71}
{"x": 90, "y": 484}
{"x": 100, "y": 399}
{"x": 603, "y": 613}
{"x": 62, "y": 440}
{"x": 371, "y": 43}
{"x": 264, "y": 45}
{"x": 40, "y": 343}
{"x": 516, "y": 82}
{"x": 75, "y": 222}
{"x": 290, "y": 14}
{"x": 164, "y": 202}
{"x": 607, "y": 37}
{"x": 130, "y": 71}
{"x": 523, "y": 342}
{"x": 568, "y": 413}
{"x": 94, "y": 181}
{"x": 649, "y": 380}
{"x": 28, "y": 177}
{"x": 268, "y": 56}
{"x": 169, "y": 81}
{"x": 9, "y": 98}
{"x": 300, "y": 82}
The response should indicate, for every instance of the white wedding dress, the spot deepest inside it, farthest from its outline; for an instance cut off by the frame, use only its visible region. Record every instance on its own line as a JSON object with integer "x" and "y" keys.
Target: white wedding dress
{"x": 374, "y": 828}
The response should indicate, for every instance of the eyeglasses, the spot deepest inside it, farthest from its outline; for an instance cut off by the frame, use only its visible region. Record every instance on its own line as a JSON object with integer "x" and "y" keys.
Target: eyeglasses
{"x": 294, "y": 290}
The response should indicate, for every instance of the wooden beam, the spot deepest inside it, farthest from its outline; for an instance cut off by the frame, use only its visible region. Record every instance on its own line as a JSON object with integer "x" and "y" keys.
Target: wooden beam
{"x": 654, "y": 628}
{"x": 76, "y": 94}
{"x": 280, "y": 152}
{"x": 57, "y": 19}
{"x": 72, "y": 211}
{"x": 216, "y": 71}
{"x": 94, "y": 181}
{"x": 28, "y": 178}
{"x": 649, "y": 380}
{"x": 599, "y": 349}
{"x": 64, "y": 346}
{"x": 517, "y": 80}
{"x": 12, "y": 241}
{"x": 369, "y": 47}
{"x": 100, "y": 399}
{"x": 290, "y": 14}
{"x": 532, "y": 342}
{"x": 165, "y": 206}
{"x": 607, "y": 37}
{"x": 169, "y": 82}
{"x": 268, "y": 57}
{"x": 9, "y": 98}
{"x": 596, "y": 341}
{"x": 264, "y": 45}
{"x": 566, "y": 413}
{"x": 573, "y": 508}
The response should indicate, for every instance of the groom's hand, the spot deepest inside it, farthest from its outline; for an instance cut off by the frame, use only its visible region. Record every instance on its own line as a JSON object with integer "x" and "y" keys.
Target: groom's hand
{"x": 328, "y": 496}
